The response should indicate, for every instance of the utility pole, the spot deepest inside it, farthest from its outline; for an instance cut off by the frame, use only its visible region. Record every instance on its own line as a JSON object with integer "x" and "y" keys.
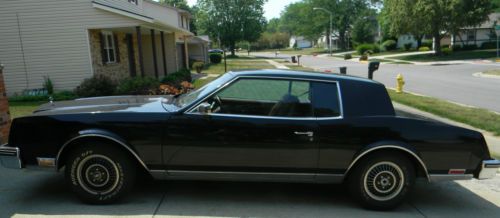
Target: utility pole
{"x": 330, "y": 30}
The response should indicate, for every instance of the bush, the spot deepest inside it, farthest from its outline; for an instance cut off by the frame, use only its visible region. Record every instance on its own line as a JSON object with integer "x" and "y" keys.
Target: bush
{"x": 426, "y": 43}
{"x": 446, "y": 51}
{"x": 58, "y": 96}
{"x": 408, "y": 46}
{"x": 424, "y": 48}
{"x": 215, "y": 58}
{"x": 347, "y": 56}
{"x": 363, "y": 48}
{"x": 363, "y": 57}
{"x": 138, "y": 86}
{"x": 469, "y": 47}
{"x": 457, "y": 47}
{"x": 177, "y": 77}
{"x": 98, "y": 85}
{"x": 489, "y": 45}
{"x": 390, "y": 45}
{"x": 198, "y": 66}
{"x": 48, "y": 85}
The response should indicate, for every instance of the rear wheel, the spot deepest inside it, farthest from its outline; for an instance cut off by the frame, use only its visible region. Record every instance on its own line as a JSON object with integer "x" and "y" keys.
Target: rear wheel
{"x": 382, "y": 181}
{"x": 99, "y": 173}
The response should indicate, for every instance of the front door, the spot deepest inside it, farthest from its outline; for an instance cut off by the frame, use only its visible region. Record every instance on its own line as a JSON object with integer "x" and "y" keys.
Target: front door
{"x": 257, "y": 129}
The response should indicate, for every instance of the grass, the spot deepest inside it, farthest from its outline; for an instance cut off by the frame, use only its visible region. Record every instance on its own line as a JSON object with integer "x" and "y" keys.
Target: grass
{"x": 457, "y": 55}
{"x": 18, "y": 109}
{"x": 492, "y": 72}
{"x": 476, "y": 117}
{"x": 240, "y": 63}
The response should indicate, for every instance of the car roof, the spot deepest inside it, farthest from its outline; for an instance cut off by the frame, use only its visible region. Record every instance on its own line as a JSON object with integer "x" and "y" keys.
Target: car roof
{"x": 301, "y": 75}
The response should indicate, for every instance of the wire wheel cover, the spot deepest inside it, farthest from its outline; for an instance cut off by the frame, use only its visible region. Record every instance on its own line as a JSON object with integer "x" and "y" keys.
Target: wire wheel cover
{"x": 383, "y": 181}
{"x": 98, "y": 174}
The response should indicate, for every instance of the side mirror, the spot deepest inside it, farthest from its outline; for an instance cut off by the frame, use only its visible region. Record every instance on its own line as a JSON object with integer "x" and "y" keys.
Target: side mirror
{"x": 204, "y": 108}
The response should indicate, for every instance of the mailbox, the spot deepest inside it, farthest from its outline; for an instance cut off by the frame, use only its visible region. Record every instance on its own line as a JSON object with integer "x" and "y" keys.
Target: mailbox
{"x": 372, "y": 67}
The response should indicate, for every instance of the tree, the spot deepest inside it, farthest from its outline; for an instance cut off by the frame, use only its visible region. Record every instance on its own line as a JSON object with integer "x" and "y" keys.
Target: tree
{"x": 231, "y": 20}
{"x": 435, "y": 17}
{"x": 400, "y": 17}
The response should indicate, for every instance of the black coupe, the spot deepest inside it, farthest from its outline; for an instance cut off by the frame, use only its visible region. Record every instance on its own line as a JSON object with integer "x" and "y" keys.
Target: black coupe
{"x": 270, "y": 125}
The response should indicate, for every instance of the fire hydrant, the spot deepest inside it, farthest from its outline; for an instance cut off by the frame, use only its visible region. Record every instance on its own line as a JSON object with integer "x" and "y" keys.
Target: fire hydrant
{"x": 400, "y": 83}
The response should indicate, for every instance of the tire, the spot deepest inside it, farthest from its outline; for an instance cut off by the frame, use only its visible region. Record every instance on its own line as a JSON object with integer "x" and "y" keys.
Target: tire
{"x": 382, "y": 181}
{"x": 99, "y": 173}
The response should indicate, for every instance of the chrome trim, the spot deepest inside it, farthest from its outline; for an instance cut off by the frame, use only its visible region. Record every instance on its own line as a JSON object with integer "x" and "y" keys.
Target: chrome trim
{"x": 10, "y": 157}
{"x": 45, "y": 162}
{"x": 389, "y": 146}
{"x": 309, "y": 133}
{"x": 101, "y": 136}
{"x": 489, "y": 169}
{"x": 191, "y": 109}
{"x": 240, "y": 176}
{"x": 449, "y": 177}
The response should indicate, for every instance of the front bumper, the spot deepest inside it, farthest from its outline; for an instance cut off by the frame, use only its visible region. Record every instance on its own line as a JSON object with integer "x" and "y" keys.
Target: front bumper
{"x": 489, "y": 169}
{"x": 10, "y": 157}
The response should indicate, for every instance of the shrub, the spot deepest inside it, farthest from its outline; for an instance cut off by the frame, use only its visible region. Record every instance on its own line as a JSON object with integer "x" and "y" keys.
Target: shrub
{"x": 57, "y": 96}
{"x": 198, "y": 66}
{"x": 426, "y": 43}
{"x": 363, "y": 48}
{"x": 390, "y": 45}
{"x": 424, "y": 48}
{"x": 469, "y": 47}
{"x": 138, "y": 86}
{"x": 215, "y": 58}
{"x": 408, "y": 46}
{"x": 489, "y": 45}
{"x": 177, "y": 77}
{"x": 98, "y": 85}
{"x": 347, "y": 56}
{"x": 457, "y": 47}
{"x": 446, "y": 51}
{"x": 48, "y": 85}
{"x": 363, "y": 57}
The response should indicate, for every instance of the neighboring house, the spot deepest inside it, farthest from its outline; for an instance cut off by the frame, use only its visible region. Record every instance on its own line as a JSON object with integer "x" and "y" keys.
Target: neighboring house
{"x": 408, "y": 38}
{"x": 71, "y": 40}
{"x": 198, "y": 48}
{"x": 323, "y": 42}
{"x": 479, "y": 34}
{"x": 301, "y": 42}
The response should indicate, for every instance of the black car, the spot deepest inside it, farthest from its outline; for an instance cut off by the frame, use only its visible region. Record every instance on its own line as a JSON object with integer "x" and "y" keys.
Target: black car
{"x": 270, "y": 125}
{"x": 216, "y": 51}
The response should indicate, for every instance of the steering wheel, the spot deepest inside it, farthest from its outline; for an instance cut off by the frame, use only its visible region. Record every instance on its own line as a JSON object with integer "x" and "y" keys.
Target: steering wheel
{"x": 216, "y": 104}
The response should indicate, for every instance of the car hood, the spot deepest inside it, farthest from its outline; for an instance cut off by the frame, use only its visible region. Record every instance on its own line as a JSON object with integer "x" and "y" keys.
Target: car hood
{"x": 109, "y": 104}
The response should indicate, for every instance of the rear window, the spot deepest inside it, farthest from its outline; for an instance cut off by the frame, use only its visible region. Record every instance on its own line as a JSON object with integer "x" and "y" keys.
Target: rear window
{"x": 326, "y": 102}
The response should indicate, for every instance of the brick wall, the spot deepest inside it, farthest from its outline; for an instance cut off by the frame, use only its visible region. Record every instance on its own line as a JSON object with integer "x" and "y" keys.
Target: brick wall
{"x": 4, "y": 110}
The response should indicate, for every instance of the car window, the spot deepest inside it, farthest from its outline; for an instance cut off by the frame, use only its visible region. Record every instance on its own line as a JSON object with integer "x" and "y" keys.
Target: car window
{"x": 264, "y": 97}
{"x": 326, "y": 102}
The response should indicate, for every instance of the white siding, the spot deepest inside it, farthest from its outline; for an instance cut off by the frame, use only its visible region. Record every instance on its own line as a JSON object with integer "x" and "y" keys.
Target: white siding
{"x": 55, "y": 41}
{"x": 163, "y": 14}
{"x": 124, "y": 5}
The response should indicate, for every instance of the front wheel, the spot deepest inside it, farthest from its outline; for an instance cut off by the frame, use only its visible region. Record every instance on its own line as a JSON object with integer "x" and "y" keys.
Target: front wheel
{"x": 382, "y": 181}
{"x": 99, "y": 173}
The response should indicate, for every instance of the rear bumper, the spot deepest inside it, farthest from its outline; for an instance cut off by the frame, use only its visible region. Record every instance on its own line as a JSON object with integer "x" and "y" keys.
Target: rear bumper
{"x": 489, "y": 169}
{"x": 10, "y": 157}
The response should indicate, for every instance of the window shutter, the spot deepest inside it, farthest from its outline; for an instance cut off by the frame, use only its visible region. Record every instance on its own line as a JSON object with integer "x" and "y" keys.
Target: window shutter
{"x": 104, "y": 55}
{"x": 117, "y": 50}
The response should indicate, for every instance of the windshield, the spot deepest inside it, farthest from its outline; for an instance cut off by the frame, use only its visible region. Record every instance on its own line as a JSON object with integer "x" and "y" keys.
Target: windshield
{"x": 188, "y": 98}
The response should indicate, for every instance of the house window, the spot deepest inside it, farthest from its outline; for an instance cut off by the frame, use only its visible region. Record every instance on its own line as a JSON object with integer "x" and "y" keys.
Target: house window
{"x": 109, "y": 47}
{"x": 470, "y": 35}
{"x": 133, "y": 1}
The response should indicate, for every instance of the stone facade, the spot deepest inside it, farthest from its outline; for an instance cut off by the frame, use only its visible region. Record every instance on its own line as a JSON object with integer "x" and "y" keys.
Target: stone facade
{"x": 116, "y": 71}
{"x": 4, "y": 111}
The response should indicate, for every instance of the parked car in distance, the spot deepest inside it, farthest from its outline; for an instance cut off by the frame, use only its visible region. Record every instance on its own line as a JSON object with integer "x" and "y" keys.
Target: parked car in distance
{"x": 268, "y": 125}
{"x": 216, "y": 50}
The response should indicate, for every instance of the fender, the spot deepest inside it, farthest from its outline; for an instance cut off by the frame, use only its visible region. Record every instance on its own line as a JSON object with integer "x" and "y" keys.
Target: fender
{"x": 392, "y": 145}
{"x": 99, "y": 133}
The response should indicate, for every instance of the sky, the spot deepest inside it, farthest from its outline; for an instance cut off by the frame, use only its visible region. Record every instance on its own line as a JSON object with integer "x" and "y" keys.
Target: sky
{"x": 272, "y": 8}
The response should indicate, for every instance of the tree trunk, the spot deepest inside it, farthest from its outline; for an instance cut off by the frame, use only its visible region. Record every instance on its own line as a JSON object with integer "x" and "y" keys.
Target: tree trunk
{"x": 232, "y": 46}
{"x": 419, "y": 41}
{"x": 437, "y": 43}
{"x": 342, "y": 41}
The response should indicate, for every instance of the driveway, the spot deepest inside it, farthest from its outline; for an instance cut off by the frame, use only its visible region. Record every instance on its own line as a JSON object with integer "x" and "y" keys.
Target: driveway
{"x": 454, "y": 82}
{"x": 44, "y": 194}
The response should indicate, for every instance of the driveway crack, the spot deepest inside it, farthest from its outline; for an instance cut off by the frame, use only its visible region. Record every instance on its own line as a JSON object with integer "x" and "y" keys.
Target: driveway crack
{"x": 416, "y": 208}
{"x": 159, "y": 204}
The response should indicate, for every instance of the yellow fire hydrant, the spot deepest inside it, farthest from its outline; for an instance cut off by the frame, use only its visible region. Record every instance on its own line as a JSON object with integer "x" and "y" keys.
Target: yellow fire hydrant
{"x": 400, "y": 83}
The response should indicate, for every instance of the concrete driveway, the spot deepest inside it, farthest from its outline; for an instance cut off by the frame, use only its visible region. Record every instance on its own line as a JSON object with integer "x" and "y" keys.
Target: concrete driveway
{"x": 44, "y": 194}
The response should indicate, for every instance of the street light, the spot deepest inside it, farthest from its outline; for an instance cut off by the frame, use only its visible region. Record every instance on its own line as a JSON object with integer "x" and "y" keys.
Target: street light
{"x": 330, "y": 34}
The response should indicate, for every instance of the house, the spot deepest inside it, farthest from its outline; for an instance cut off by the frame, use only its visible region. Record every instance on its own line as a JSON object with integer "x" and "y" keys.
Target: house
{"x": 300, "y": 41}
{"x": 198, "y": 48}
{"x": 71, "y": 40}
{"x": 409, "y": 39}
{"x": 479, "y": 34}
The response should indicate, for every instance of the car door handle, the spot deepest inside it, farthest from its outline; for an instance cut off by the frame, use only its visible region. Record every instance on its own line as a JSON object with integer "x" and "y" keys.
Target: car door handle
{"x": 309, "y": 133}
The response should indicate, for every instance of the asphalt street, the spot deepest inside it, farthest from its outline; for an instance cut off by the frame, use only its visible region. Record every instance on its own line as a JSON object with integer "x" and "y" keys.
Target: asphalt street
{"x": 453, "y": 82}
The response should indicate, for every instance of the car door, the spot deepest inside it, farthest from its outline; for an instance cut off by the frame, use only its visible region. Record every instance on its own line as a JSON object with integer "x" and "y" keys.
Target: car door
{"x": 258, "y": 128}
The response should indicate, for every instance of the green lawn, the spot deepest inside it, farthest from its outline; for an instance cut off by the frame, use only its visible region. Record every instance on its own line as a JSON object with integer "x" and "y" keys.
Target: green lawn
{"x": 18, "y": 109}
{"x": 476, "y": 117}
{"x": 492, "y": 72}
{"x": 458, "y": 55}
